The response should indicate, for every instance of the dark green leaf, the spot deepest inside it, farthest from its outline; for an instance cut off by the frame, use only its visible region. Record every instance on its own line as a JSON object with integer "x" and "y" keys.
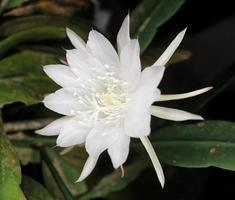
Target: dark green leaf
{"x": 8, "y": 4}
{"x": 79, "y": 25}
{"x": 35, "y": 34}
{"x": 149, "y": 16}
{"x": 10, "y": 172}
{"x": 38, "y": 28}
{"x": 22, "y": 75}
{"x": 113, "y": 182}
{"x": 204, "y": 144}
{"x": 33, "y": 190}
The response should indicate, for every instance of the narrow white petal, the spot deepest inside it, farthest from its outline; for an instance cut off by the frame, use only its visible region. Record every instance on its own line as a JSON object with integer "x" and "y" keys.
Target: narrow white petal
{"x": 157, "y": 165}
{"x": 168, "y": 97}
{"x": 165, "y": 57}
{"x": 130, "y": 66}
{"x": 88, "y": 167}
{"x": 137, "y": 124}
{"x": 62, "y": 102}
{"x": 77, "y": 42}
{"x": 101, "y": 137}
{"x": 54, "y": 127}
{"x": 72, "y": 133}
{"x": 173, "y": 114}
{"x": 102, "y": 49}
{"x": 119, "y": 151}
{"x": 62, "y": 75}
{"x": 123, "y": 36}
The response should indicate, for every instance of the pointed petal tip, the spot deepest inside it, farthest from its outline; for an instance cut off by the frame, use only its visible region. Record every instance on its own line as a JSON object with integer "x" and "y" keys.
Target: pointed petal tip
{"x": 184, "y": 30}
{"x": 181, "y": 34}
{"x": 42, "y": 131}
{"x": 69, "y": 32}
{"x": 162, "y": 182}
{"x": 39, "y": 131}
{"x": 210, "y": 88}
{"x": 45, "y": 67}
{"x": 79, "y": 180}
{"x": 196, "y": 117}
{"x": 200, "y": 117}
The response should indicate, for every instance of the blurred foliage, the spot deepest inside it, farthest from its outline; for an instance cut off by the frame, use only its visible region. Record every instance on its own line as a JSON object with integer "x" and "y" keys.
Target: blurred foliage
{"x": 68, "y": 167}
{"x": 25, "y": 80}
{"x": 33, "y": 190}
{"x": 32, "y": 34}
{"x": 10, "y": 171}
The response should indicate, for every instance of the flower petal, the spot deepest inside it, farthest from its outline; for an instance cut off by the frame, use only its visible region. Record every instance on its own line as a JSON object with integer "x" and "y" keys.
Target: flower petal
{"x": 54, "y": 127}
{"x": 173, "y": 114}
{"x": 62, "y": 75}
{"x": 150, "y": 78}
{"x": 84, "y": 65}
{"x": 101, "y": 137}
{"x": 137, "y": 124}
{"x": 102, "y": 49}
{"x": 63, "y": 102}
{"x": 123, "y": 36}
{"x": 79, "y": 63}
{"x": 157, "y": 165}
{"x": 165, "y": 57}
{"x": 130, "y": 66}
{"x": 88, "y": 167}
{"x": 119, "y": 151}
{"x": 169, "y": 97}
{"x": 72, "y": 133}
{"x": 77, "y": 42}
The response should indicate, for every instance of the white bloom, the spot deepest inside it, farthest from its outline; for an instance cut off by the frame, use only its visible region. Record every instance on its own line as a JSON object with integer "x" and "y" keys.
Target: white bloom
{"x": 106, "y": 99}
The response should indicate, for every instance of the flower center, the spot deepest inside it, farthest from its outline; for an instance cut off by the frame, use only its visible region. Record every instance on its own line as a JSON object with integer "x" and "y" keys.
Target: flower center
{"x": 105, "y": 99}
{"x": 112, "y": 102}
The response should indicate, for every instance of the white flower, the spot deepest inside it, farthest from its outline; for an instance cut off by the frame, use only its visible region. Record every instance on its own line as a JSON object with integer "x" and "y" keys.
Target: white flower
{"x": 106, "y": 99}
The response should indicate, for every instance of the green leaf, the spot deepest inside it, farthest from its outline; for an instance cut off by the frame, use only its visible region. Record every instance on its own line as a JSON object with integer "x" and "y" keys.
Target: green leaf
{"x": 16, "y": 25}
{"x": 35, "y": 34}
{"x": 8, "y": 4}
{"x": 114, "y": 182}
{"x": 38, "y": 28}
{"x": 22, "y": 75}
{"x": 10, "y": 172}
{"x": 33, "y": 190}
{"x": 68, "y": 171}
{"x": 210, "y": 143}
{"x": 149, "y": 16}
